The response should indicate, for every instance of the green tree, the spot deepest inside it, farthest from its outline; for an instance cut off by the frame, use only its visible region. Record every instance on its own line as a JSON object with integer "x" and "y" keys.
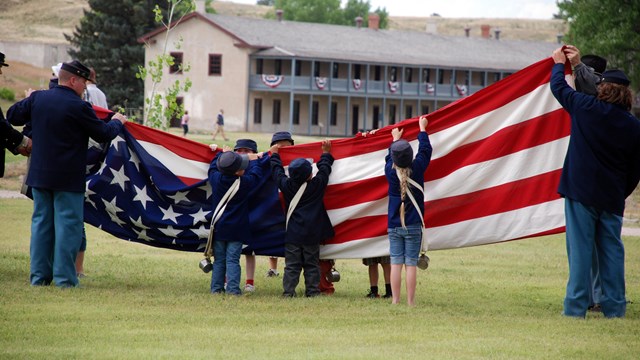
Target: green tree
{"x": 161, "y": 105}
{"x": 609, "y": 28}
{"x": 329, "y": 11}
{"x": 313, "y": 11}
{"x": 106, "y": 40}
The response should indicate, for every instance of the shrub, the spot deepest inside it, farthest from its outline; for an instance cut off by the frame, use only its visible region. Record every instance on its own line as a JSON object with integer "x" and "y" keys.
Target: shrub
{"x": 7, "y": 94}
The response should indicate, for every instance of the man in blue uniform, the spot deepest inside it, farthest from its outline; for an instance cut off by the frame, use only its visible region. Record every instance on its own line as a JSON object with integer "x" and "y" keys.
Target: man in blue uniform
{"x": 61, "y": 126}
{"x": 10, "y": 138}
{"x": 601, "y": 169}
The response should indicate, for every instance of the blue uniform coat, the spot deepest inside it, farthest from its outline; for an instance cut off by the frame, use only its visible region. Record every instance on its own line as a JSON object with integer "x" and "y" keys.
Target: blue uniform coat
{"x": 602, "y": 166}
{"x": 61, "y": 126}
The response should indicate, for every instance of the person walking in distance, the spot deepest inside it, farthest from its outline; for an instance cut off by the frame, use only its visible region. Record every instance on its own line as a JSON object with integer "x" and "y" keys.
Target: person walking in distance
{"x": 220, "y": 126}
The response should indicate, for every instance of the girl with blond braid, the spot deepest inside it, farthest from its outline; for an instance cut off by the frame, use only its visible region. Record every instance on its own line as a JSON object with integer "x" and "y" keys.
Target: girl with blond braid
{"x": 404, "y": 223}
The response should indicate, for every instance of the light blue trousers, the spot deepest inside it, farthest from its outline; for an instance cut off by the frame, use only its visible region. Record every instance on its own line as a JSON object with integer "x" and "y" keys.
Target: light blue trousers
{"x": 56, "y": 235}
{"x": 586, "y": 227}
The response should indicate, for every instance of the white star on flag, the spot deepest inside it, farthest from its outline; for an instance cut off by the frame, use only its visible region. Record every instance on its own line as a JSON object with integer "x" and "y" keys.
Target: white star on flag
{"x": 199, "y": 216}
{"x": 142, "y": 196}
{"x": 169, "y": 214}
{"x": 119, "y": 177}
{"x": 170, "y": 231}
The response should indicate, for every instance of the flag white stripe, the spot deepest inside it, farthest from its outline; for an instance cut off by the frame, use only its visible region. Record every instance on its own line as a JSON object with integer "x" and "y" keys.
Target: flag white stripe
{"x": 175, "y": 163}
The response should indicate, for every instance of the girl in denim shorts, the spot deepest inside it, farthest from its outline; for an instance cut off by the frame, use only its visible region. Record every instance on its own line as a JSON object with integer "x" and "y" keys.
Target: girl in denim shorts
{"x": 404, "y": 223}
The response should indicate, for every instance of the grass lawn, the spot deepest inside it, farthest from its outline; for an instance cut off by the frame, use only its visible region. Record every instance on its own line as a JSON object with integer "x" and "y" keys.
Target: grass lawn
{"x": 496, "y": 301}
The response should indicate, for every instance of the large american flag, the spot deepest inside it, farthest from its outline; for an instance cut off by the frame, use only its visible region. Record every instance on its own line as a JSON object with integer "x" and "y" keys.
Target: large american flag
{"x": 496, "y": 163}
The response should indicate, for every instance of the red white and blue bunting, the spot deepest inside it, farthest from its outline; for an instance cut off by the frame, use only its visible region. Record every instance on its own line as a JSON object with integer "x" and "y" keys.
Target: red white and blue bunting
{"x": 357, "y": 84}
{"x": 393, "y": 86}
{"x": 272, "y": 81}
{"x": 321, "y": 82}
{"x": 430, "y": 89}
{"x": 462, "y": 90}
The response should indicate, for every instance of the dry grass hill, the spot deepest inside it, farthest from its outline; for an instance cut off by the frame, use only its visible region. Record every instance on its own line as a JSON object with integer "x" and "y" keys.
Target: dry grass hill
{"x": 48, "y": 20}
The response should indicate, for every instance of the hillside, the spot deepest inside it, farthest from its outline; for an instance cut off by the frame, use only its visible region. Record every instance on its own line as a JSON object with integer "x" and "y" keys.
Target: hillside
{"x": 48, "y": 20}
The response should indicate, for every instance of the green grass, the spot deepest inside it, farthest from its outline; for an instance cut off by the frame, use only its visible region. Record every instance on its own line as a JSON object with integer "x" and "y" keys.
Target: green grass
{"x": 498, "y": 301}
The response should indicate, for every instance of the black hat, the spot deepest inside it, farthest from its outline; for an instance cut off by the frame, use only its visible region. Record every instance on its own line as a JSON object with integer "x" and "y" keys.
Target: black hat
{"x": 299, "y": 170}
{"x": 76, "y": 68}
{"x": 616, "y": 77}
{"x": 230, "y": 162}
{"x": 246, "y": 144}
{"x": 401, "y": 153}
{"x": 597, "y": 63}
{"x": 281, "y": 135}
{"x": 2, "y": 63}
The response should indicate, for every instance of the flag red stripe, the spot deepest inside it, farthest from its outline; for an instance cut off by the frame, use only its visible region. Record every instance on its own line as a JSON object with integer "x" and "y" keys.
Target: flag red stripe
{"x": 498, "y": 199}
{"x": 185, "y": 148}
{"x": 537, "y": 131}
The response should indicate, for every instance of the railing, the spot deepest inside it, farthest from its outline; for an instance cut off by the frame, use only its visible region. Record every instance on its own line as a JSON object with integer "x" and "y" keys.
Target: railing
{"x": 343, "y": 86}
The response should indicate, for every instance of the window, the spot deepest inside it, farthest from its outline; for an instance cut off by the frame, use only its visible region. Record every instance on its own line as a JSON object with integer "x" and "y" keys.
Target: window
{"x": 392, "y": 114}
{"x": 426, "y": 75}
{"x": 408, "y": 74}
{"x": 215, "y": 64}
{"x": 297, "y": 67}
{"x": 334, "y": 114}
{"x": 440, "y": 76}
{"x": 314, "y": 113}
{"x": 376, "y": 73}
{"x": 425, "y": 109}
{"x": 176, "y": 68}
{"x": 296, "y": 112}
{"x": 276, "y": 111}
{"x": 357, "y": 68}
{"x": 392, "y": 73}
{"x": 257, "y": 111}
{"x": 408, "y": 112}
{"x": 278, "y": 67}
{"x": 336, "y": 70}
{"x": 259, "y": 66}
{"x": 316, "y": 69}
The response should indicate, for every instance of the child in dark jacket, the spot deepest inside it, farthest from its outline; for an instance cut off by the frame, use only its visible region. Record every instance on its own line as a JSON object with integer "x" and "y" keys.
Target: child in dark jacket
{"x": 233, "y": 225}
{"x": 308, "y": 224}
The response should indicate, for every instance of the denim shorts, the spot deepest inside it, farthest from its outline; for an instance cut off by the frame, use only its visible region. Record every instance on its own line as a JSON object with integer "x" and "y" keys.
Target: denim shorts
{"x": 404, "y": 244}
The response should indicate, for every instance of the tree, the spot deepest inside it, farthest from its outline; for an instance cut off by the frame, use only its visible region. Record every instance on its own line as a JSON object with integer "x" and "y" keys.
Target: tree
{"x": 160, "y": 108}
{"x": 609, "y": 28}
{"x": 106, "y": 40}
{"x": 329, "y": 11}
{"x": 313, "y": 11}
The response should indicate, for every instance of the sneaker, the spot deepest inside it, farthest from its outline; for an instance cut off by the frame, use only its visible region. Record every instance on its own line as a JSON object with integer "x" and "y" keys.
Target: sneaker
{"x": 387, "y": 296}
{"x": 373, "y": 295}
{"x": 249, "y": 288}
{"x": 273, "y": 273}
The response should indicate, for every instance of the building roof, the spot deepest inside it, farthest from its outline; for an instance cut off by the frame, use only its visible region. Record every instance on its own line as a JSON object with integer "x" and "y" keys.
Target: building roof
{"x": 273, "y": 38}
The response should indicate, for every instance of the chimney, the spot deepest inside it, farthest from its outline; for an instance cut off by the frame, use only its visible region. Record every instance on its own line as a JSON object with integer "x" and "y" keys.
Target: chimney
{"x": 279, "y": 13}
{"x": 467, "y": 30}
{"x": 497, "y": 32}
{"x": 432, "y": 27}
{"x": 374, "y": 21}
{"x": 560, "y": 36}
{"x": 200, "y": 6}
{"x": 359, "y": 22}
{"x": 485, "y": 29}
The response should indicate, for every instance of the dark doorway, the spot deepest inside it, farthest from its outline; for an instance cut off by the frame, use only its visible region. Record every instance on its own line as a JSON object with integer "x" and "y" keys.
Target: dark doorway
{"x": 376, "y": 117}
{"x": 355, "y": 115}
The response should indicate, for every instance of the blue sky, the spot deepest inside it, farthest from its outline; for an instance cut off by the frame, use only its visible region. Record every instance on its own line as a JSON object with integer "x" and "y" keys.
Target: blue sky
{"x": 523, "y": 9}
